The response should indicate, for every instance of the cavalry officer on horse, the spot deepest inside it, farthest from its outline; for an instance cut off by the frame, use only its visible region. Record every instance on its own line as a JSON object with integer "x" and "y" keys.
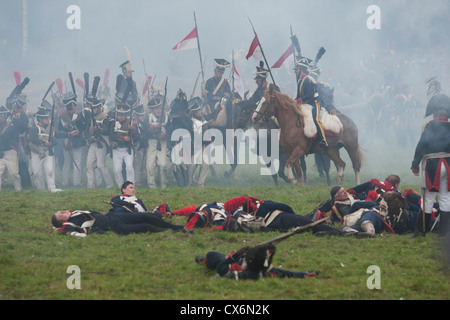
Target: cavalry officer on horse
{"x": 261, "y": 75}
{"x": 307, "y": 92}
{"x": 216, "y": 88}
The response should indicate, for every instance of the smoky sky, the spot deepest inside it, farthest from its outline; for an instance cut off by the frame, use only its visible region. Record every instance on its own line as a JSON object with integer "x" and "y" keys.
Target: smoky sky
{"x": 149, "y": 29}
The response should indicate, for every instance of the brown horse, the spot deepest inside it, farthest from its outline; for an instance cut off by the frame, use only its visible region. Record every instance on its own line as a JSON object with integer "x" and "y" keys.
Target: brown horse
{"x": 294, "y": 141}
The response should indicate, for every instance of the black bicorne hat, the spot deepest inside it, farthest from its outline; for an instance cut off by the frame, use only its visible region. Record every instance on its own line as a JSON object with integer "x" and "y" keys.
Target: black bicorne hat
{"x": 438, "y": 102}
{"x": 195, "y": 104}
{"x": 302, "y": 63}
{"x": 221, "y": 64}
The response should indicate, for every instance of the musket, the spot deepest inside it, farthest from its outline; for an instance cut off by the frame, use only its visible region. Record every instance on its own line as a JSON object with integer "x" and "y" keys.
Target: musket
{"x": 165, "y": 94}
{"x": 119, "y": 206}
{"x": 52, "y": 125}
{"x": 294, "y": 231}
{"x": 48, "y": 90}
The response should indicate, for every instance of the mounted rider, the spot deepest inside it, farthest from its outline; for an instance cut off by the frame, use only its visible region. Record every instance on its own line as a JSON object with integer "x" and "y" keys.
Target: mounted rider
{"x": 216, "y": 88}
{"x": 261, "y": 75}
{"x": 308, "y": 93}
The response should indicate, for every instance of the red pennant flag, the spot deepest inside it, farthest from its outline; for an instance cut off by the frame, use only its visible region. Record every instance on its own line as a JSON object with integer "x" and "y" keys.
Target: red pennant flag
{"x": 148, "y": 81}
{"x": 284, "y": 58}
{"x": 189, "y": 42}
{"x": 255, "y": 50}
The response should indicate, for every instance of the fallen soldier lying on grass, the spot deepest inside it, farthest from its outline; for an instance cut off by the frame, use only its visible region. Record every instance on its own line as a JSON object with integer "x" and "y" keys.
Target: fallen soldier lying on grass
{"x": 255, "y": 262}
{"x": 81, "y": 223}
{"x": 249, "y": 263}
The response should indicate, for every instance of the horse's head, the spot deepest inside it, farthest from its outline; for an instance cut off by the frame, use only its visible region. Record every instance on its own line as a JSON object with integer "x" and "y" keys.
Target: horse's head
{"x": 266, "y": 107}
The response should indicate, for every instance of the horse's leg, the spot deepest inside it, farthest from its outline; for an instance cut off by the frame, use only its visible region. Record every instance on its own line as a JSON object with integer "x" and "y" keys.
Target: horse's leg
{"x": 298, "y": 169}
{"x": 303, "y": 167}
{"x": 283, "y": 160}
{"x": 333, "y": 153}
{"x": 293, "y": 158}
{"x": 291, "y": 177}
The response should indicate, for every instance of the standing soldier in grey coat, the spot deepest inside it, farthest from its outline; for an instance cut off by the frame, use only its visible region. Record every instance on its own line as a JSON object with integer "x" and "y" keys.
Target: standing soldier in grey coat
{"x": 41, "y": 159}
{"x": 155, "y": 134}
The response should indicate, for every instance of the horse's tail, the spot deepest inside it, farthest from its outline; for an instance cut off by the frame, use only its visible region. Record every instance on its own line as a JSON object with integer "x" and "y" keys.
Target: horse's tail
{"x": 360, "y": 157}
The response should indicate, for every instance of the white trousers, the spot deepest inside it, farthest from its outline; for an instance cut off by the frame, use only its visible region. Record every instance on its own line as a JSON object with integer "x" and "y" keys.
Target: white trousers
{"x": 72, "y": 162}
{"x": 443, "y": 195}
{"x": 156, "y": 158}
{"x": 95, "y": 164}
{"x": 120, "y": 156}
{"x": 10, "y": 161}
{"x": 38, "y": 166}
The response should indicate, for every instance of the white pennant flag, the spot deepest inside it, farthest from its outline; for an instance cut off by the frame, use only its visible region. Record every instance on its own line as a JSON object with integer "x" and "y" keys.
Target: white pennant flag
{"x": 189, "y": 42}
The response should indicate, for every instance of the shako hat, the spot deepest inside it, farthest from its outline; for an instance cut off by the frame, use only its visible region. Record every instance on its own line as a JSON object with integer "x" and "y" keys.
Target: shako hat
{"x": 156, "y": 101}
{"x": 42, "y": 113}
{"x": 261, "y": 73}
{"x": 139, "y": 110}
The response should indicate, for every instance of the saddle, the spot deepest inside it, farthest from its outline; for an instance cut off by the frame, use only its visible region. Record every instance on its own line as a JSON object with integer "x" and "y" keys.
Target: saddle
{"x": 331, "y": 123}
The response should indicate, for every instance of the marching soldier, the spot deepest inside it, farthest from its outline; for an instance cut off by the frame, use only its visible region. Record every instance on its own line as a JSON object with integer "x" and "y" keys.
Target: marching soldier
{"x": 92, "y": 116}
{"x": 121, "y": 136}
{"x": 139, "y": 116}
{"x": 41, "y": 158}
{"x": 216, "y": 89}
{"x": 9, "y": 144}
{"x": 156, "y": 137}
{"x": 199, "y": 126}
{"x": 98, "y": 148}
{"x": 16, "y": 103}
{"x": 307, "y": 92}
{"x": 71, "y": 128}
{"x": 126, "y": 90}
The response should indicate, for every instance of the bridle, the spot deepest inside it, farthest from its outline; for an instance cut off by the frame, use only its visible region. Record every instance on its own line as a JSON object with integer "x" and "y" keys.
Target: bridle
{"x": 263, "y": 115}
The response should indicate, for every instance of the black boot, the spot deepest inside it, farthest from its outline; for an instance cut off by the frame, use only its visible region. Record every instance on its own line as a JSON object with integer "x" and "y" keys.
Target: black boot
{"x": 444, "y": 223}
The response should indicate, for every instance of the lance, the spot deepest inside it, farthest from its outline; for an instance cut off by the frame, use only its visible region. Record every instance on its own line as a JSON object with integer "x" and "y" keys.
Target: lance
{"x": 262, "y": 52}
{"x": 198, "y": 46}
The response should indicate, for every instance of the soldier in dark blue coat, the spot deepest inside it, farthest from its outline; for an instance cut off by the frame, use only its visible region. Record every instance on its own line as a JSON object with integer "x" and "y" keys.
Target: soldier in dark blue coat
{"x": 249, "y": 263}
{"x": 215, "y": 89}
{"x": 9, "y": 144}
{"x": 80, "y": 223}
{"x": 433, "y": 150}
{"x": 261, "y": 75}
{"x": 308, "y": 93}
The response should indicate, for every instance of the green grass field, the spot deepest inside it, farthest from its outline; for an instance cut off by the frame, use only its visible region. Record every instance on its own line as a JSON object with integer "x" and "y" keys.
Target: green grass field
{"x": 34, "y": 261}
